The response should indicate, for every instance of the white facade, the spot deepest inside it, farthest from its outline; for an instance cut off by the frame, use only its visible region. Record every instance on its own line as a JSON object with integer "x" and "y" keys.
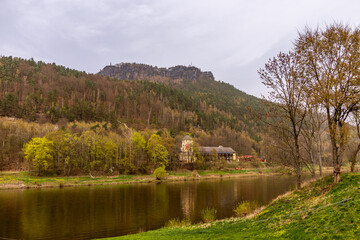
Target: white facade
{"x": 186, "y": 154}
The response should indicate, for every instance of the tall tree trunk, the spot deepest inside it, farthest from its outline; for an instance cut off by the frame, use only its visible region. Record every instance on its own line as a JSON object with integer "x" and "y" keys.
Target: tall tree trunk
{"x": 130, "y": 157}
{"x": 336, "y": 150}
{"x": 149, "y": 117}
{"x": 298, "y": 179}
{"x": 336, "y": 163}
{"x": 353, "y": 158}
{"x": 319, "y": 155}
{"x": 69, "y": 170}
{"x": 312, "y": 171}
{"x": 337, "y": 176}
{"x": 297, "y": 162}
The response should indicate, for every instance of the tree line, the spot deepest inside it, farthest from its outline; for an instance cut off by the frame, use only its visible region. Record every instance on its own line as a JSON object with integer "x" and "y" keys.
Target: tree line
{"x": 63, "y": 153}
{"x": 316, "y": 88}
{"x": 78, "y": 148}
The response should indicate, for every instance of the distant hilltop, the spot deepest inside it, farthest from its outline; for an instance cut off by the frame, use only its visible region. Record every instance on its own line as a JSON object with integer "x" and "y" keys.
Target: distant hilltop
{"x": 136, "y": 71}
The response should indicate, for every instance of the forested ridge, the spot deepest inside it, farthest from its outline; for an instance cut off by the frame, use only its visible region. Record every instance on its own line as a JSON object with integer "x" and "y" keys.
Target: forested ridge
{"x": 213, "y": 112}
{"x": 48, "y": 92}
{"x": 213, "y": 103}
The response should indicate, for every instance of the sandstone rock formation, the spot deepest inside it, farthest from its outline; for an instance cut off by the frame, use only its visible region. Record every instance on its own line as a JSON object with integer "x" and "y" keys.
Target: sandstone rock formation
{"x": 135, "y": 71}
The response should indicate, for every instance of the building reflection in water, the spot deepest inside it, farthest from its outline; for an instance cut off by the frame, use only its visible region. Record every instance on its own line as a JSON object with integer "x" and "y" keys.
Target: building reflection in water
{"x": 105, "y": 211}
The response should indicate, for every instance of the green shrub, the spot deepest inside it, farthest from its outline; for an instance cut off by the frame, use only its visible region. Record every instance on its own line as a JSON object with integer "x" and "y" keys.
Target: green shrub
{"x": 244, "y": 208}
{"x": 178, "y": 223}
{"x": 208, "y": 214}
{"x": 160, "y": 173}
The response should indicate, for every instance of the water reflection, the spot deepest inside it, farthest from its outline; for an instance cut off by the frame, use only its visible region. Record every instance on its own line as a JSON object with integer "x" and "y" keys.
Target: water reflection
{"x": 104, "y": 211}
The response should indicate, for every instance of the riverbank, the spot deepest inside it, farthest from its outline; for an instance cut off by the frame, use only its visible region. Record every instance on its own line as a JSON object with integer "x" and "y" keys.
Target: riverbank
{"x": 320, "y": 210}
{"x": 23, "y": 180}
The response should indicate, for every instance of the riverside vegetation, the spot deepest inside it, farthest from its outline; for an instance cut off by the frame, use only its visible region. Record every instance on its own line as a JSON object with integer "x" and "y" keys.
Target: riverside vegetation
{"x": 80, "y": 148}
{"x": 110, "y": 121}
{"x": 319, "y": 210}
{"x": 9, "y": 180}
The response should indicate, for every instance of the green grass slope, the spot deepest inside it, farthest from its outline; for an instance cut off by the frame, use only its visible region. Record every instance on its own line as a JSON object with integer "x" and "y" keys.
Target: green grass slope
{"x": 319, "y": 210}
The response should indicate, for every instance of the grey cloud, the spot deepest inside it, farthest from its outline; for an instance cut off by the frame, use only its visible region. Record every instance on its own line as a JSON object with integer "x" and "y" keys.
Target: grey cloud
{"x": 231, "y": 38}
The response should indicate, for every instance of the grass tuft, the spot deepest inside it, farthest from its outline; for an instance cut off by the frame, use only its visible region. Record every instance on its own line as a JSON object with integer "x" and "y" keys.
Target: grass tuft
{"x": 208, "y": 214}
{"x": 245, "y": 208}
{"x": 178, "y": 223}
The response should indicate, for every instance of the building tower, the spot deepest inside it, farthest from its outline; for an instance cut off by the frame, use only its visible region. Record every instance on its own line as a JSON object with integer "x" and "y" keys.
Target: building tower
{"x": 186, "y": 149}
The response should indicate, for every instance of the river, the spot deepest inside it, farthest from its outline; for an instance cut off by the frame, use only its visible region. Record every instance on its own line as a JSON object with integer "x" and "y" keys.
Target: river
{"x": 113, "y": 210}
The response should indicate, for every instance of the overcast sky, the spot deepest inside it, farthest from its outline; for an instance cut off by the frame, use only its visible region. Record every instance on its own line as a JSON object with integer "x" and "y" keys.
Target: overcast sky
{"x": 231, "y": 38}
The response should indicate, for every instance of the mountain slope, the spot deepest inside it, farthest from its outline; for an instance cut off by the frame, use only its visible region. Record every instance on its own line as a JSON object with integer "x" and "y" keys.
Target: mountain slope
{"x": 214, "y": 103}
{"x": 188, "y": 101}
{"x": 183, "y": 98}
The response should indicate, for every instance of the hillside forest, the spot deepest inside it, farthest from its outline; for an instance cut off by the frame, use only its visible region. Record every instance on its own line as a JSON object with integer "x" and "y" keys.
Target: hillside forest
{"x": 72, "y": 122}
{"x": 130, "y": 118}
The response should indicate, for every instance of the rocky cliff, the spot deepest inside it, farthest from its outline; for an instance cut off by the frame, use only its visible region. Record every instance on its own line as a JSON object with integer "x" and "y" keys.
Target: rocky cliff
{"x": 135, "y": 71}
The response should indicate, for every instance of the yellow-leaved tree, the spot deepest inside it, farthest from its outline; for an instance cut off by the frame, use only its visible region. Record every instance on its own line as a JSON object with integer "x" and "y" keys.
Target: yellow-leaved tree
{"x": 40, "y": 152}
{"x": 157, "y": 152}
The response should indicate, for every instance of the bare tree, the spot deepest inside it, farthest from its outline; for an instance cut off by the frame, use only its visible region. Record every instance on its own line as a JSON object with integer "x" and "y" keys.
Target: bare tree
{"x": 312, "y": 134}
{"x": 308, "y": 143}
{"x": 319, "y": 121}
{"x": 332, "y": 60}
{"x": 283, "y": 75}
{"x": 355, "y": 148}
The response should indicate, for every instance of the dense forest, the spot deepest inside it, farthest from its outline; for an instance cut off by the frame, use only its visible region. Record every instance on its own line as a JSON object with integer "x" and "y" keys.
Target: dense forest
{"x": 36, "y": 91}
{"x": 44, "y": 104}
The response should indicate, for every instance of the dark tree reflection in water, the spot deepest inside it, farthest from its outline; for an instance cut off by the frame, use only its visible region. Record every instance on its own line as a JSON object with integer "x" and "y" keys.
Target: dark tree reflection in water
{"x": 113, "y": 210}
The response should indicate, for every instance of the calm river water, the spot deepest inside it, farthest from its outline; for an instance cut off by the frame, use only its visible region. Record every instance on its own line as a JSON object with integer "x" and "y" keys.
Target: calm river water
{"x": 113, "y": 210}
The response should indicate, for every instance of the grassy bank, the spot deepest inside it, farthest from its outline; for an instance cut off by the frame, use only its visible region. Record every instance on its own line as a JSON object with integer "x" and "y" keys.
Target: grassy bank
{"x": 319, "y": 210}
{"x": 10, "y": 180}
